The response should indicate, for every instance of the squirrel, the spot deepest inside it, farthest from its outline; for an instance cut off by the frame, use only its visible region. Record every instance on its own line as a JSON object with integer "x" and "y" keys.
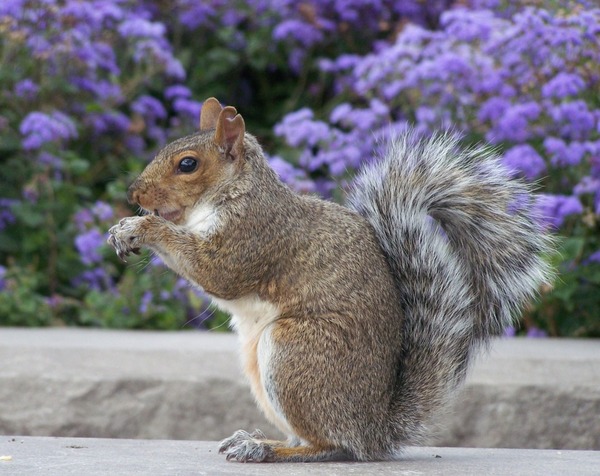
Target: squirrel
{"x": 357, "y": 323}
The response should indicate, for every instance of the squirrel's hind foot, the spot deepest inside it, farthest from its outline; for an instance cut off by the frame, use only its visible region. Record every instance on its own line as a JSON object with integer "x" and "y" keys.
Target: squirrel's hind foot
{"x": 254, "y": 447}
{"x": 244, "y": 447}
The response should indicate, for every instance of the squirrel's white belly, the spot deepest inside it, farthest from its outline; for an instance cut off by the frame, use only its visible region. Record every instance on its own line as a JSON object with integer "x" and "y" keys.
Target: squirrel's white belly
{"x": 250, "y": 317}
{"x": 265, "y": 352}
{"x": 249, "y": 314}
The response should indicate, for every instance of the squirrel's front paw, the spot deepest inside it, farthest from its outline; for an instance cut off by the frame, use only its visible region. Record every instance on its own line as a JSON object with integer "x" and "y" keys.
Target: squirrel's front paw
{"x": 244, "y": 447}
{"x": 129, "y": 235}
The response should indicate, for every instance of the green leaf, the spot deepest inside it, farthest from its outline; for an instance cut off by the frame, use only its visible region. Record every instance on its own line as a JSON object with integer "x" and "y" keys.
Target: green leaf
{"x": 78, "y": 166}
{"x": 32, "y": 219}
{"x": 572, "y": 247}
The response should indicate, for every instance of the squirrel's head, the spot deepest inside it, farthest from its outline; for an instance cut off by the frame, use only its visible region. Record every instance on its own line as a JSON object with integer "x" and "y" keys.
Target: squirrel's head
{"x": 191, "y": 170}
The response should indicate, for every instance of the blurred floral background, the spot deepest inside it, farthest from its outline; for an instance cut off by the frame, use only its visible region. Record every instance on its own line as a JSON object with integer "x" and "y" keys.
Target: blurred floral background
{"x": 91, "y": 89}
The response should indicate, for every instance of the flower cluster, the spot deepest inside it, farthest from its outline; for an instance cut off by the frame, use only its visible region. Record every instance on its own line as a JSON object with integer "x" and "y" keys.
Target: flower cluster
{"x": 307, "y": 25}
{"x": 495, "y": 79}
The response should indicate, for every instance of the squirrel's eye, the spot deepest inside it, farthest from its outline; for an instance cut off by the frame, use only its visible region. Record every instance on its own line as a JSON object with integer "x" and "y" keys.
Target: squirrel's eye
{"x": 187, "y": 165}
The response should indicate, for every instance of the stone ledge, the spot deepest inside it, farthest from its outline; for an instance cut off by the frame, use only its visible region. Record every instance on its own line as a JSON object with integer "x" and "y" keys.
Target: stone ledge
{"x": 99, "y": 457}
{"x": 188, "y": 385}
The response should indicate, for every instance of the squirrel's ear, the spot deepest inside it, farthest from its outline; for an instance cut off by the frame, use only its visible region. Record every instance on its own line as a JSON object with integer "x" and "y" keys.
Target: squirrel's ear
{"x": 211, "y": 108}
{"x": 230, "y": 132}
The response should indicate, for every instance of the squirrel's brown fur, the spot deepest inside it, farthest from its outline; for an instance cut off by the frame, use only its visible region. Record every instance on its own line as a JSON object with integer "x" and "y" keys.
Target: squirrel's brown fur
{"x": 342, "y": 354}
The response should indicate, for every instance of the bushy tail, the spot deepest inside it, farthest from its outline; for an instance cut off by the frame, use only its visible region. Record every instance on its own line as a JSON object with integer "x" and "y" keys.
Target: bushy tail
{"x": 466, "y": 252}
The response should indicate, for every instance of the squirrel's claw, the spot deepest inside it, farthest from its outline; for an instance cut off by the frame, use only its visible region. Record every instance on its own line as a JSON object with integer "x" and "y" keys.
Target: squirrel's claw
{"x": 120, "y": 246}
{"x": 112, "y": 241}
{"x": 255, "y": 451}
{"x": 246, "y": 447}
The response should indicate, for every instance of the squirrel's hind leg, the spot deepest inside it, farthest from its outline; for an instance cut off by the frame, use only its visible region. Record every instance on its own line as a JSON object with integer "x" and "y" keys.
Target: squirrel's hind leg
{"x": 255, "y": 447}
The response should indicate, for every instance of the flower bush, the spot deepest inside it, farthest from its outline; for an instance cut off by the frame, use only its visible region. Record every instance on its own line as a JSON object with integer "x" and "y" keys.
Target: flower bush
{"x": 523, "y": 82}
{"x": 90, "y": 90}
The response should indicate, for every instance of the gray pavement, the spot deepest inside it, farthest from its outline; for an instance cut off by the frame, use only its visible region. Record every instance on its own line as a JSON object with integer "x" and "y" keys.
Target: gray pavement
{"x": 91, "y": 457}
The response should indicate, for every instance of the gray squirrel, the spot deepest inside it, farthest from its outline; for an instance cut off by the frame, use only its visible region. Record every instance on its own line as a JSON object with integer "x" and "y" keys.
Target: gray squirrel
{"x": 357, "y": 323}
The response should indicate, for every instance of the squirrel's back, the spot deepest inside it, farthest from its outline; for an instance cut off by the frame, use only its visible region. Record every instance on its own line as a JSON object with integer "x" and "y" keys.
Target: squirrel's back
{"x": 466, "y": 251}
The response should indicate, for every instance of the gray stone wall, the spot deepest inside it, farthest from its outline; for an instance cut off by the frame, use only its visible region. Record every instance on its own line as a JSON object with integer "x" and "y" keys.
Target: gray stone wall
{"x": 188, "y": 385}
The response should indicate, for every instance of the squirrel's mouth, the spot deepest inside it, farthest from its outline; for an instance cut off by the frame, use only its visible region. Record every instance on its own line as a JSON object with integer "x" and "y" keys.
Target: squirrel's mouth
{"x": 169, "y": 215}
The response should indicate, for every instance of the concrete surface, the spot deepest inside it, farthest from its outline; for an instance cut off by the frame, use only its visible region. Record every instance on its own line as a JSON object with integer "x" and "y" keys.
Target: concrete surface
{"x": 525, "y": 393}
{"x": 530, "y": 393}
{"x": 91, "y": 457}
{"x": 119, "y": 384}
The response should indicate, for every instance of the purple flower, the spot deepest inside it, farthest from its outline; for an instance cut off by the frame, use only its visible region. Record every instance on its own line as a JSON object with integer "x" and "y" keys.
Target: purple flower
{"x": 561, "y": 154}
{"x": 6, "y": 215}
{"x": 177, "y": 91}
{"x": 305, "y": 34}
{"x": 589, "y": 185}
{"x": 365, "y": 119}
{"x": 340, "y": 112}
{"x": 426, "y": 115}
{"x": 96, "y": 279}
{"x": 173, "y": 67}
{"x": 26, "y": 89}
{"x": 156, "y": 261}
{"x": 594, "y": 257}
{"x": 145, "y": 302}
{"x": 109, "y": 122}
{"x": 157, "y": 134}
{"x": 50, "y": 160}
{"x": 187, "y": 107}
{"x": 149, "y": 107}
{"x": 493, "y": 109}
{"x": 300, "y": 128}
{"x": 513, "y": 125}
{"x": 525, "y": 160}
{"x": 535, "y": 332}
{"x": 141, "y": 28}
{"x": 294, "y": 177}
{"x": 196, "y": 14}
{"x": 82, "y": 218}
{"x": 40, "y": 128}
{"x": 136, "y": 145}
{"x": 165, "y": 295}
{"x": 104, "y": 91}
{"x": 103, "y": 211}
{"x": 552, "y": 210}
{"x": 158, "y": 53}
{"x": 563, "y": 85}
{"x": 467, "y": 25}
{"x": 88, "y": 245}
{"x": 574, "y": 119}
{"x": 102, "y": 56}
{"x": 344, "y": 62}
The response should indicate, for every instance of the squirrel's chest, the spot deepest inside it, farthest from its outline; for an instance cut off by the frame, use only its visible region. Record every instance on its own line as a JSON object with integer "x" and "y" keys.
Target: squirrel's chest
{"x": 249, "y": 315}
{"x": 250, "y": 318}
